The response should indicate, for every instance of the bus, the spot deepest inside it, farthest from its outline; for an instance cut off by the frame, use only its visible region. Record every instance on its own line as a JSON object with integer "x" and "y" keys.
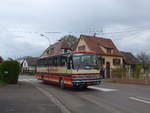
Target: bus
{"x": 71, "y": 69}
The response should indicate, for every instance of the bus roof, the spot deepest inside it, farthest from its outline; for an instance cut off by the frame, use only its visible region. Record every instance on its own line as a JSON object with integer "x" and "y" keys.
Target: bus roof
{"x": 81, "y": 52}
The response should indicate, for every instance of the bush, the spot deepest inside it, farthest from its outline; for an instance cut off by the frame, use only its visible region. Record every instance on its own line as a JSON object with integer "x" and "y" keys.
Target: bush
{"x": 118, "y": 72}
{"x": 137, "y": 71}
{"x": 9, "y": 71}
{"x": 0, "y": 71}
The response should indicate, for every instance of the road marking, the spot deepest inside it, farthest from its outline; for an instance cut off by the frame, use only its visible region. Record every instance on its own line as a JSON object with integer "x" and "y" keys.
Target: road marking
{"x": 102, "y": 89}
{"x": 27, "y": 80}
{"x": 140, "y": 100}
{"x": 54, "y": 100}
{"x": 144, "y": 98}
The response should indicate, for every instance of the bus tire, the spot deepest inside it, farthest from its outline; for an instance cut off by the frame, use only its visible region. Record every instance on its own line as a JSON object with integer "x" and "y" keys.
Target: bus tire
{"x": 61, "y": 83}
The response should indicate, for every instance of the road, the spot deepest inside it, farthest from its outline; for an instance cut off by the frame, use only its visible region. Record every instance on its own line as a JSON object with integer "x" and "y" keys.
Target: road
{"x": 25, "y": 98}
{"x": 108, "y": 98}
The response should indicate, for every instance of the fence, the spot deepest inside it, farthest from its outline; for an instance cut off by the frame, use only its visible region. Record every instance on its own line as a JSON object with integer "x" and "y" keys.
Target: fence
{"x": 135, "y": 76}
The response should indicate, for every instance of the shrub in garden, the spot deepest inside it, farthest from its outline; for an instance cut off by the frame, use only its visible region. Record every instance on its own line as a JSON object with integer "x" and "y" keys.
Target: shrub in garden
{"x": 9, "y": 71}
{"x": 118, "y": 71}
{"x": 0, "y": 72}
{"x": 137, "y": 71}
{"x": 1, "y": 59}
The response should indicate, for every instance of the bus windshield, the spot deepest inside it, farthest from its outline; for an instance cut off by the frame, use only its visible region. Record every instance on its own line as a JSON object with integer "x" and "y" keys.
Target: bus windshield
{"x": 85, "y": 61}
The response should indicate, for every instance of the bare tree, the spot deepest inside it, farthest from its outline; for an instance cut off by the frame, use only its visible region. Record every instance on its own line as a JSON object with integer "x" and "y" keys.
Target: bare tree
{"x": 71, "y": 41}
{"x": 144, "y": 59}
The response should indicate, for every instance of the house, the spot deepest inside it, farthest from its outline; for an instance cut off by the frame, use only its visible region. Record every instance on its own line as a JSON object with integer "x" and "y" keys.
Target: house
{"x": 106, "y": 50}
{"x": 1, "y": 59}
{"x": 28, "y": 64}
{"x": 57, "y": 48}
{"x": 129, "y": 62}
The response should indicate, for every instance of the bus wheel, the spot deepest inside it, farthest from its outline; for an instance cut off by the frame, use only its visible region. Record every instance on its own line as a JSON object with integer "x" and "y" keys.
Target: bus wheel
{"x": 62, "y": 83}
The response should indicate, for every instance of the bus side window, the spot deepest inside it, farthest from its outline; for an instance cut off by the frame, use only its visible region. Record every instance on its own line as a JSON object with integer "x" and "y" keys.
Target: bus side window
{"x": 54, "y": 61}
{"x": 68, "y": 62}
{"x": 39, "y": 63}
{"x": 59, "y": 60}
{"x": 42, "y": 62}
{"x": 45, "y": 62}
{"x": 63, "y": 60}
{"x": 49, "y": 62}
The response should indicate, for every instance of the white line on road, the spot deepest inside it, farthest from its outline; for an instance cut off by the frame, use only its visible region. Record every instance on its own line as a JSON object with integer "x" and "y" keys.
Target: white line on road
{"x": 27, "y": 80}
{"x": 140, "y": 100}
{"x": 144, "y": 98}
{"x": 54, "y": 100}
{"x": 102, "y": 89}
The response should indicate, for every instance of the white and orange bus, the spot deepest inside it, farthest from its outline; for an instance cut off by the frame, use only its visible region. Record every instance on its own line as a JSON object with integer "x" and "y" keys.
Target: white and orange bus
{"x": 72, "y": 69}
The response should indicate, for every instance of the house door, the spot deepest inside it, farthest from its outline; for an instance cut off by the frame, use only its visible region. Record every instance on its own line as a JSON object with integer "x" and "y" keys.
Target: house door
{"x": 108, "y": 69}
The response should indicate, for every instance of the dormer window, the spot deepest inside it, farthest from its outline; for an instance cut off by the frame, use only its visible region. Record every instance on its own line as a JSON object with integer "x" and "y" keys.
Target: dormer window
{"x": 81, "y": 47}
{"x": 47, "y": 51}
{"x": 109, "y": 51}
{"x": 52, "y": 49}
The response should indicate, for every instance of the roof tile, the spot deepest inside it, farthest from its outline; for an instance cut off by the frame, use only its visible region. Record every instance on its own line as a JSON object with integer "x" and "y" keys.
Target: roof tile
{"x": 94, "y": 44}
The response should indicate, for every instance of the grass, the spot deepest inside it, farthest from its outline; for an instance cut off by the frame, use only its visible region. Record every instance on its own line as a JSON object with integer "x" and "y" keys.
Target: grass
{"x": 2, "y": 83}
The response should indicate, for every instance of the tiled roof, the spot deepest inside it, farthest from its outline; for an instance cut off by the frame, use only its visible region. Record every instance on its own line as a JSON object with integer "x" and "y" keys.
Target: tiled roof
{"x": 129, "y": 58}
{"x": 55, "y": 48}
{"x": 94, "y": 44}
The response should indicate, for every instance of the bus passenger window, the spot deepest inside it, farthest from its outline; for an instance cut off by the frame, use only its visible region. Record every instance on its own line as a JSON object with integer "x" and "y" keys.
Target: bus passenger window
{"x": 63, "y": 60}
{"x": 50, "y": 62}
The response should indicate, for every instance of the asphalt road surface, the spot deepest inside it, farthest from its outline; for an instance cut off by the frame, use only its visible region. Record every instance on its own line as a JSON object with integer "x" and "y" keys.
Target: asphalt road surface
{"x": 108, "y": 98}
{"x": 25, "y": 98}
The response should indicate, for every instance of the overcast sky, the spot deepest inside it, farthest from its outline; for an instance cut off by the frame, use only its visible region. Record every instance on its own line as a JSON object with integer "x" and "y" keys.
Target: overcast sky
{"x": 126, "y": 22}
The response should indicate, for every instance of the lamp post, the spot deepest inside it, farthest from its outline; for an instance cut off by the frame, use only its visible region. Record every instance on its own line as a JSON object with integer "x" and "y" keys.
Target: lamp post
{"x": 46, "y": 38}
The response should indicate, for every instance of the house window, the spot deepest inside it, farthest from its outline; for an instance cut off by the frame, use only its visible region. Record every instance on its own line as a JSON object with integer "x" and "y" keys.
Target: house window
{"x": 51, "y": 50}
{"x": 108, "y": 51}
{"x": 81, "y": 47}
{"x": 103, "y": 61}
{"x": 63, "y": 60}
{"x": 47, "y": 51}
{"x": 116, "y": 61}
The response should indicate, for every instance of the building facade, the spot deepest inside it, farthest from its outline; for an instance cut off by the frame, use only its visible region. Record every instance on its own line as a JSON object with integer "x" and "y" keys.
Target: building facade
{"x": 28, "y": 64}
{"x": 129, "y": 63}
{"x": 109, "y": 55}
{"x": 57, "y": 48}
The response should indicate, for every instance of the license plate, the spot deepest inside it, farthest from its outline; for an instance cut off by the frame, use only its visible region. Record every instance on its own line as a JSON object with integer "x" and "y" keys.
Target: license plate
{"x": 88, "y": 83}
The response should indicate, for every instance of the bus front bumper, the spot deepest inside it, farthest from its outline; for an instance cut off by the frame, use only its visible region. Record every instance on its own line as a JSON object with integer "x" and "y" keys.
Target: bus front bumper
{"x": 86, "y": 82}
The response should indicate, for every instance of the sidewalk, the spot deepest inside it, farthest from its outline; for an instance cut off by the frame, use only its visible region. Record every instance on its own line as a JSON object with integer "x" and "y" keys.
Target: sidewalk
{"x": 129, "y": 81}
{"x": 25, "y": 98}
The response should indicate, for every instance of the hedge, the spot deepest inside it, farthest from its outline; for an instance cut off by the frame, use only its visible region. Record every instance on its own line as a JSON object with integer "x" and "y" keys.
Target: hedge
{"x": 137, "y": 71}
{"x": 118, "y": 72}
{"x": 9, "y": 71}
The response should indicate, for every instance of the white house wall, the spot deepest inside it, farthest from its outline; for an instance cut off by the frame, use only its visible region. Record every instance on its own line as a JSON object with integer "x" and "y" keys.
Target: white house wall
{"x": 82, "y": 43}
{"x": 110, "y": 60}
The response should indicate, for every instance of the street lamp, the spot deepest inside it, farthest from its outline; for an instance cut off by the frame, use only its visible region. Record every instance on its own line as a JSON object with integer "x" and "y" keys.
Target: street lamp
{"x": 46, "y": 38}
